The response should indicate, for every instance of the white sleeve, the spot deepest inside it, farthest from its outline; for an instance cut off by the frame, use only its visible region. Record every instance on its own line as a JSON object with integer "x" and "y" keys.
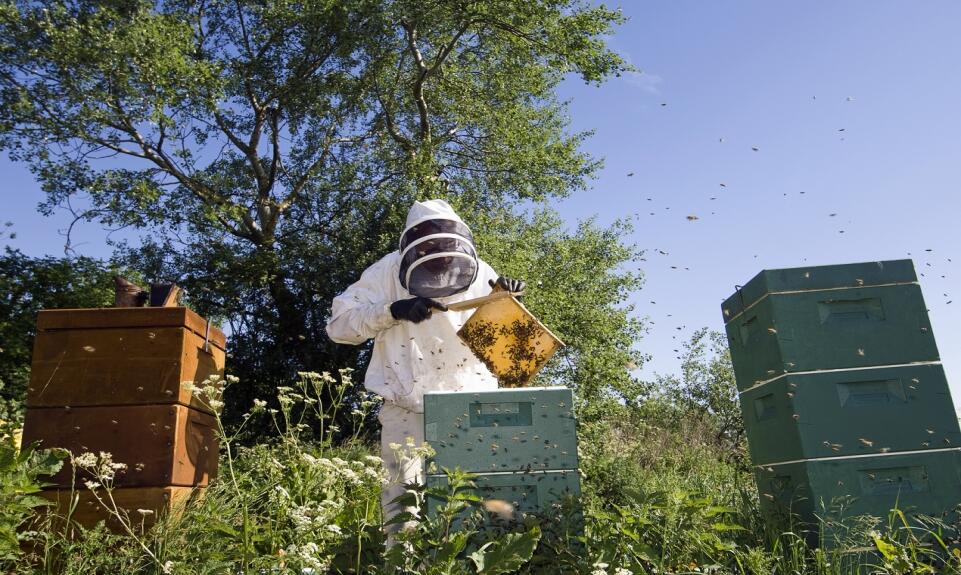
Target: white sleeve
{"x": 363, "y": 310}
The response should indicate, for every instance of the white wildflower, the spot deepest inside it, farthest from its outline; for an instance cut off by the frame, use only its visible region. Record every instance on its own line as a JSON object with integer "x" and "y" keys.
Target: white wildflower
{"x": 92, "y": 485}
{"x": 145, "y": 511}
{"x": 333, "y": 527}
{"x": 85, "y": 459}
{"x": 190, "y": 387}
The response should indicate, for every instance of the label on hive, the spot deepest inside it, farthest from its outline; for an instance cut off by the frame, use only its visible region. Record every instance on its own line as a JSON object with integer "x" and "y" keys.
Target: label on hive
{"x": 161, "y": 445}
{"x": 850, "y": 412}
{"x": 849, "y": 486}
{"x": 504, "y": 430}
{"x": 831, "y": 329}
{"x": 119, "y": 366}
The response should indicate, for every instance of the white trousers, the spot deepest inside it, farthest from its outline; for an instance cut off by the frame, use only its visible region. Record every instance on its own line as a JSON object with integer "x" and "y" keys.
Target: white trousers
{"x": 397, "y": 425}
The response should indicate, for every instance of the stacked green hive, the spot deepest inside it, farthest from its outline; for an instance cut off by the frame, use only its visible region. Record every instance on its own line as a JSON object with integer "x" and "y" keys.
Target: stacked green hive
{"x": 844, "y": 399}
{"x": 520, "y": 443}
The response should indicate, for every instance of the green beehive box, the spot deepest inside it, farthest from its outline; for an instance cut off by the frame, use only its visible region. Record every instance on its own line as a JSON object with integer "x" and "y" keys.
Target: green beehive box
{"x": 505, "y": 430}
{"x": 527, "y": 492}
{"x": 850, "y": 412}
{"x": 827, "y": 317}
{"x": 838, "y": 488}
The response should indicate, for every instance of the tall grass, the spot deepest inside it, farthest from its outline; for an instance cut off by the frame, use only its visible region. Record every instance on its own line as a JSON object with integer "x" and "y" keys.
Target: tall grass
{"x": 662, "y": 493}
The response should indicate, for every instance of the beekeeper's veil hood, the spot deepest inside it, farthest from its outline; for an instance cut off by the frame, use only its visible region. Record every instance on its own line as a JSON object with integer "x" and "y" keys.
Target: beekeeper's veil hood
{"x": 437, "y": 255}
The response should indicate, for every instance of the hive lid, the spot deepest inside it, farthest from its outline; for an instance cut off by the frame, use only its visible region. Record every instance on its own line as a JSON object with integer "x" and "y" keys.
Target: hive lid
{"x": 810, "y": 278}
{"x": 510, "y": 341}
{"x": 123, "y": 317}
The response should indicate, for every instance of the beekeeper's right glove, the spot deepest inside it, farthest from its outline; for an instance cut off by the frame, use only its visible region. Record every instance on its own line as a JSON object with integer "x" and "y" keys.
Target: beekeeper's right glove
{"x": 415, "y": 309}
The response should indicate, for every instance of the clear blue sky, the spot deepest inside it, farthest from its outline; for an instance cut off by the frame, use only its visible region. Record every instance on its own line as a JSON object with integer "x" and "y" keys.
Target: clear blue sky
{"x": 718, "y": 79}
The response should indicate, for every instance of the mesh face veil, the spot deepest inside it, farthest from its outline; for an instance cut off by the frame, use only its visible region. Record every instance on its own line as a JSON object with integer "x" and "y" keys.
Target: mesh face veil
{"x": 437, "y": 258}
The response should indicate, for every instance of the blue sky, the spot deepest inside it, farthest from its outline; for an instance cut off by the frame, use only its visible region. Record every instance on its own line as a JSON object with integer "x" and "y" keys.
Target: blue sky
{"x": 721, "y": 78}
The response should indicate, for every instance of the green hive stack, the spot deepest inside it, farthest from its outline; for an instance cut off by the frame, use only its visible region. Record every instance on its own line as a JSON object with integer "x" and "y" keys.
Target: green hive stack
{"x": 520, "y": 443}
{"x": 842, "y": 392}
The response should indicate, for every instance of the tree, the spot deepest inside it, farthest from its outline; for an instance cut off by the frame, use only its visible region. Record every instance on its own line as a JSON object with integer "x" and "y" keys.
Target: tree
{"x": 272, "y": 148}
{"x": 28, "y": 285}
{"x": 706, "y": 388}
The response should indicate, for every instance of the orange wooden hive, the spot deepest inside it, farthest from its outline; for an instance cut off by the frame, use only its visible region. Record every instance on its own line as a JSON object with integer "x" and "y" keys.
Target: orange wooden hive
{"x": 162, "y": 445}
{"x": 111, "y": 380}
{"x": 122, "y": 356}
{"x": 142, "y": 505}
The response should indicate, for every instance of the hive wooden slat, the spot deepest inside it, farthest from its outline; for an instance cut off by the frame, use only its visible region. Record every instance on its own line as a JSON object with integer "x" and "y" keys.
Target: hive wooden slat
{"x": 118, "y": 366}
{"x": 88, "y": 510}
{"x": 100, "y": 318}
{"x": 162, "y": 445}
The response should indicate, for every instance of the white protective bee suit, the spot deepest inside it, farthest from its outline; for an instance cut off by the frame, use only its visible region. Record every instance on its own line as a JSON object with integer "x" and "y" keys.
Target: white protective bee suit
{"x": 409, "y": 358}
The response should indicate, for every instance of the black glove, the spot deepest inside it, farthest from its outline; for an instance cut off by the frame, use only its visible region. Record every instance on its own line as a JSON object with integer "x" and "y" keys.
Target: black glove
{"x": 415, "y": 309}
{"x": 509, "y": 284}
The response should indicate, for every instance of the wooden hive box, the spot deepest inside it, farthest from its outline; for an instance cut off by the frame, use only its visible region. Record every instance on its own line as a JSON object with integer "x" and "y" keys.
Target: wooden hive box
{"x": 162, "y": 445}
{"x": 122, "y": 356}
{"x": 88, "y": 510}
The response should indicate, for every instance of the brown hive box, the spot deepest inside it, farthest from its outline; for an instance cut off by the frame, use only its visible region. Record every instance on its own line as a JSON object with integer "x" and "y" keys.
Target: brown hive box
{"x": 122, "y": 356}
{"x": 162, "y": 445}
{"x": 88, "y": 510}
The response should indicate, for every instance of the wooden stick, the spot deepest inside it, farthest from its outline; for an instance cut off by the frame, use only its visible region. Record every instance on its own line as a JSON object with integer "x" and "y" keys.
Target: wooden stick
{"x": 477, "y": 302}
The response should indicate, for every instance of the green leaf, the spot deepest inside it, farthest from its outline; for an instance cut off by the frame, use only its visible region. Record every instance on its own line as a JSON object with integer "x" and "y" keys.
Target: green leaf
{"x": 727, "y": 527}
{"x": 888, "y": 550}
{"x": 507, "y": 553}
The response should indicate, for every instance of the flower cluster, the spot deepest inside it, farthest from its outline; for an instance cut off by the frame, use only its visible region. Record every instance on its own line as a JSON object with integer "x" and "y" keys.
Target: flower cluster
{"x": 102, "y": 467}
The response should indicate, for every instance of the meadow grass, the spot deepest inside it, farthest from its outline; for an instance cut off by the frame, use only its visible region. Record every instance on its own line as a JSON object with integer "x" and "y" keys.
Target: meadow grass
{"x": 662, "y": 493}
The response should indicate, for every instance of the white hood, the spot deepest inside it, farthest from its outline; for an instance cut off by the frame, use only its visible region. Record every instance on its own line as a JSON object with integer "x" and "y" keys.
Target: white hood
{"x": 430, "y": 210}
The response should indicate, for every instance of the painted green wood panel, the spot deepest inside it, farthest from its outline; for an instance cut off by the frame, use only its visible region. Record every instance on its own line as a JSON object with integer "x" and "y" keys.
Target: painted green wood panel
{"x": 503, "y": 430}
{"x": 815, "y": 330}
{"x": 863, "y": 274}
{"x": 531, "y": 492}
{"x": 857, "y": 412}
{"x": 928, "y": 483}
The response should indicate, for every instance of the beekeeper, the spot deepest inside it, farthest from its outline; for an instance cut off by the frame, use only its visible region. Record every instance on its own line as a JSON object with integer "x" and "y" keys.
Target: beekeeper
{"x": 400, "y": 302}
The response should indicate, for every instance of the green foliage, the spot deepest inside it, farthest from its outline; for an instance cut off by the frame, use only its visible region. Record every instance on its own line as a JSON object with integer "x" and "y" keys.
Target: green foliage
{"x": 706, "y": 389}
{"x": 20, "y": 481}
{"x": 579, "y": 284}
{"x": 655, "y": 500}
{"x": 28, "y": 285}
